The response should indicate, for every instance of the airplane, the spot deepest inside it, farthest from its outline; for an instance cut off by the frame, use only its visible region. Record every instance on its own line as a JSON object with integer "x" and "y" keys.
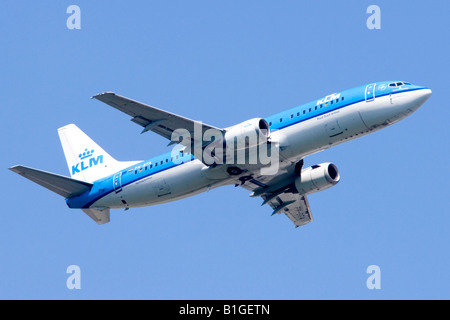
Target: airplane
{"x": 205, "y": 156}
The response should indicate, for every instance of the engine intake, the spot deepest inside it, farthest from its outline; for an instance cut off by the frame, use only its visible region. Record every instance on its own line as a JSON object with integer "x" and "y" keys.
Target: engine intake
{"x": 317, "y": 178}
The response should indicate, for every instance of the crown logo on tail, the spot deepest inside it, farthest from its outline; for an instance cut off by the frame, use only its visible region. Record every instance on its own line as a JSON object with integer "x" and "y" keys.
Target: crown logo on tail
{"x": 86, "y": 154}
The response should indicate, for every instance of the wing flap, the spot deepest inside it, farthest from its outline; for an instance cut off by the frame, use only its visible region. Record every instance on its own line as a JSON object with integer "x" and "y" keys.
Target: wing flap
{"x": 279, "y": 192}
{"x": 64, "y": 186}
{"x": 294, "y": 206}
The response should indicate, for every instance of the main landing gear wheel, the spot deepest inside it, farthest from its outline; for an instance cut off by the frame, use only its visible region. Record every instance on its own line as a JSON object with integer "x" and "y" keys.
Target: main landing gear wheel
{"x": 234, "y": 171}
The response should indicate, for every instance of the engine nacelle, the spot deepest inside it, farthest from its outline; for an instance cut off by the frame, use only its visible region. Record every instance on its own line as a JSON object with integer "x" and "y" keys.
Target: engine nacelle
{"x": 248, "y": 134}
{"x": 317, "y": 178}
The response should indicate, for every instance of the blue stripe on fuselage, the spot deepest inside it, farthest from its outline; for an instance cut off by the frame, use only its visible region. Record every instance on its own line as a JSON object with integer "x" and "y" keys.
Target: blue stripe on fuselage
{"x": 352, "y": 96}
{"x": 128, "y": 176}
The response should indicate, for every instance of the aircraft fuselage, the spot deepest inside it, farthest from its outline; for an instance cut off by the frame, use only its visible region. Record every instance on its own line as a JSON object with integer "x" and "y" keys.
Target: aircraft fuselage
{"x": 300, "y": 131}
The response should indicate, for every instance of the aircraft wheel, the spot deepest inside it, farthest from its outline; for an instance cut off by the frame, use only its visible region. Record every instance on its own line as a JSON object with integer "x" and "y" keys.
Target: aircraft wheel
{"x": 234, "y": 171}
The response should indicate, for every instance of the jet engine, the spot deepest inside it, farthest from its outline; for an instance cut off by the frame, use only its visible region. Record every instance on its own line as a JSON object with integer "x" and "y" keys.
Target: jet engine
{"x": 248, "y": 134}
{"x": 317, "y": 178}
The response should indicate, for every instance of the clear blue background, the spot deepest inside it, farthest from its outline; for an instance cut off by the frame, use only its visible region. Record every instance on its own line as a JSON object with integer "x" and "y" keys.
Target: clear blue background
{"x": 223, "y": 62}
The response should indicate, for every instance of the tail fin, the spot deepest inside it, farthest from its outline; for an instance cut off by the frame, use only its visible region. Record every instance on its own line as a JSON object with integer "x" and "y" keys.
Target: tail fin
{"x": 86, "y": 160}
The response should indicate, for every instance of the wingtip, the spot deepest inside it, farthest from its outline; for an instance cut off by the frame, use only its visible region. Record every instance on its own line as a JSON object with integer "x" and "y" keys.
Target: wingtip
{"x": 102, "y": 94}
{"x": 15, "y": 168}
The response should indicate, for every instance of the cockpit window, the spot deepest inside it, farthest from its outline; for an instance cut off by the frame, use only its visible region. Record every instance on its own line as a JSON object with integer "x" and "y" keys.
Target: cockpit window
{"x": 398, "y": 84}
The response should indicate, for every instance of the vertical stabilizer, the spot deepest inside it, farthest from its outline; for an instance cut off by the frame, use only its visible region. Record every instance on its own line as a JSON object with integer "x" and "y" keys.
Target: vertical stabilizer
{"x": 86, "y": 160}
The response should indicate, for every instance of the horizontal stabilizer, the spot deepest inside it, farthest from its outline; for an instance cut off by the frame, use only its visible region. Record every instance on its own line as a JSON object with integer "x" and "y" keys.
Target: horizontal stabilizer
{"x": 101, "y": 216}
{"x": 61, "y": 185}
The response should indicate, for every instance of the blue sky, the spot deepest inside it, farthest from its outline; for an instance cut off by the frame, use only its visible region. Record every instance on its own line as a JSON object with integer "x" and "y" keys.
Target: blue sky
{"x": 223, "y": 63}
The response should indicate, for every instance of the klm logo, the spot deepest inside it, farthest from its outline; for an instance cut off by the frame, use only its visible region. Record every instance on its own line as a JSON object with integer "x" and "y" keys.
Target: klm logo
{"x": 329, "y": 98}
{"x": 87, "y": 160}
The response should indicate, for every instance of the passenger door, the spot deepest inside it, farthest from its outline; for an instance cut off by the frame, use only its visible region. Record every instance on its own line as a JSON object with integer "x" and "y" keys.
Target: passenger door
{"x": 370, "y": 92}
{"x": 117, "y": 182}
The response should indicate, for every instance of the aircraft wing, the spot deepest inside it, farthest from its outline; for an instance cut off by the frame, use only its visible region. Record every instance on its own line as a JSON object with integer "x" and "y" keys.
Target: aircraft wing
{"x": 282, "y": 197}
{"x": 152, "y": 119}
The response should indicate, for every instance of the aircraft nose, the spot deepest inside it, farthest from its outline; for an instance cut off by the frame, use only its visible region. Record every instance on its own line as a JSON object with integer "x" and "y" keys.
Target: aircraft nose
{"x": 425, "y": 94}
{"x": 419, "y": 98}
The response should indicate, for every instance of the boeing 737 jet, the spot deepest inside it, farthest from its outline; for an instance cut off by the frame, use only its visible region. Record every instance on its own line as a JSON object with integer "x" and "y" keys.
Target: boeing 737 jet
{"x": 262, "y": 155}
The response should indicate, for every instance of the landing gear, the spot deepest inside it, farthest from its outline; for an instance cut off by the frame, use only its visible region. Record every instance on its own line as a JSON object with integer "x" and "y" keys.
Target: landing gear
{"x": 234, "y": 171}
{"x": 245, "y": 179}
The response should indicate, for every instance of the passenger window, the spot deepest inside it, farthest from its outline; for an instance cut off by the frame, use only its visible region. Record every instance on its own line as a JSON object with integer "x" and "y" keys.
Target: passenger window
{"x": 309, "y": 109}
{"x": 298, "y": 113}
{"x": 304, "y": 111}
{"x": 281, "y": 119}
{"x": 315, "y": 108}
{"x": 342, "y": 99}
